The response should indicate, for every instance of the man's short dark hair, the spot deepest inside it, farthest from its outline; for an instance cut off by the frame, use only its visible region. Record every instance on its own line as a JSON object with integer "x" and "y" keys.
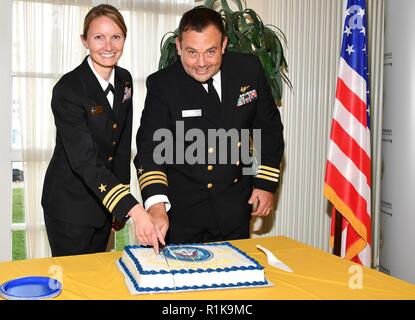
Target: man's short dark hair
{"x": 198, "y": 18}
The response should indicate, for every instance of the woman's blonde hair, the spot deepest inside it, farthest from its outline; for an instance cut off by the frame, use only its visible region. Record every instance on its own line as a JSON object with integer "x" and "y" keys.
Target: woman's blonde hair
{"x": 108, "y": 11}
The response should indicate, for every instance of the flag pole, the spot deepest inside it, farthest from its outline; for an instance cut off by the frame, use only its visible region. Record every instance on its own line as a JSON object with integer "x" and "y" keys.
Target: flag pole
{"x": 337, "y": 232}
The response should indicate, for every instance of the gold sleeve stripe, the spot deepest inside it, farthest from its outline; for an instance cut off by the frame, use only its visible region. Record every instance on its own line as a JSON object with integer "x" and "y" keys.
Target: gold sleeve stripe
{"x": 152, "y": 178}
{"x": 151, "y": 173}
{"x": 266, "y": 178}
{"x": 115, "y": 195}
{"x": 117, "y": 199}
{"x": 269, "y": 169}
{"x": 111, "y": 193}
{"x": 126, "y": 185}
{"x": 152, "y": 182}
{"x": 271, "y": 174}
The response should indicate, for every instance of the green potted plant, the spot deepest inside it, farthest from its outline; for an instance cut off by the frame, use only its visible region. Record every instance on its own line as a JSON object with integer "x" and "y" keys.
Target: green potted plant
{"x": 246, "y": 33}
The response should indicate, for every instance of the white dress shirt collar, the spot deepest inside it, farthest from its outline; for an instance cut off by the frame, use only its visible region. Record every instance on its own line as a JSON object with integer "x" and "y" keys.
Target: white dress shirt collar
{"x": 217, "y": 83}
{"x": 104, "y": 83}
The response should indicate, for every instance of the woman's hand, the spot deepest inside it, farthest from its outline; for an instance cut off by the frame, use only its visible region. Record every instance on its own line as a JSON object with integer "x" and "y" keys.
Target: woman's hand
{"x": 145, "y": 228}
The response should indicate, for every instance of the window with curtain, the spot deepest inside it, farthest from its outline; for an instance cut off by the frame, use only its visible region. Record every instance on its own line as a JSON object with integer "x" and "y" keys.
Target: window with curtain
{"x": 46, "y": 44}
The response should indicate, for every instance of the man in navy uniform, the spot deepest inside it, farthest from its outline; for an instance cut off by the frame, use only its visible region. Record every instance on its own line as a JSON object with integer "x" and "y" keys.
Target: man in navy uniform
{"x": 208, "y": 89}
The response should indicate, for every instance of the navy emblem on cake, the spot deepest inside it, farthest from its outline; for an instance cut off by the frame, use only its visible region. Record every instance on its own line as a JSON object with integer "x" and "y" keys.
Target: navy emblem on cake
{"x": 187, "y": 253}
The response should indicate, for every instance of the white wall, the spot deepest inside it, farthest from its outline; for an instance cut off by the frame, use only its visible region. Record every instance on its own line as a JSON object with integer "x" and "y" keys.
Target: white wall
{"x": 398, "y": 184}
{"x": 5, "y": 128}
{"x": 260, "y": 7}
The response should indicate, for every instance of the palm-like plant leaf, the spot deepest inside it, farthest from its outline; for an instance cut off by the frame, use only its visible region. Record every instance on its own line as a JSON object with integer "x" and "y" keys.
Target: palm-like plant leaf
{"x": 246, "y": 33}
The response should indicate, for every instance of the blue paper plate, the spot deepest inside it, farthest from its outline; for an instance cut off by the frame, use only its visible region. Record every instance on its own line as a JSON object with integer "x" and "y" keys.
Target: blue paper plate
{"x": 30, "y": 288}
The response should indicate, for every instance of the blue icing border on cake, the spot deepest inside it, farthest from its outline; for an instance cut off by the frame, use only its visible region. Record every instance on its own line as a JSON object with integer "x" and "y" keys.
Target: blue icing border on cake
{"x": 129, "y": 275}
{"x": 214, "y": 286}
{"x": 184, "y": 271}
{"x": 137, "y": 264}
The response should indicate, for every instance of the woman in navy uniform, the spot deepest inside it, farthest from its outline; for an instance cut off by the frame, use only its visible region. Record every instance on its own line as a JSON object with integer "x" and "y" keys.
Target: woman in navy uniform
{"x": 86, "y": 188}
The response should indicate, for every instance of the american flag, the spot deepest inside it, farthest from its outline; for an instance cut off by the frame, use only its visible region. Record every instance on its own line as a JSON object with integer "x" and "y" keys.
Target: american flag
{"x": 347, "y": 183}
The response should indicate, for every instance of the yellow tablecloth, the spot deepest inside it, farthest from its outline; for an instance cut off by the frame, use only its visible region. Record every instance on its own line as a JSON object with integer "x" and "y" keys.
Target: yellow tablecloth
{"x": 317, "y": 275}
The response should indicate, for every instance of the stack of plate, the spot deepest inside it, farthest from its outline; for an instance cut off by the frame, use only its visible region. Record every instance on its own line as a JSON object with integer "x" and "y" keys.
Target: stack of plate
{"x": 30, "y": 288}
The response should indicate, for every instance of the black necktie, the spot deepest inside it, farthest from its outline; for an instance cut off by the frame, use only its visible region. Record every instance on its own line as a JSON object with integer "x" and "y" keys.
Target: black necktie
{"x": 212, "y": 92}
{"x": 109, "y": 88}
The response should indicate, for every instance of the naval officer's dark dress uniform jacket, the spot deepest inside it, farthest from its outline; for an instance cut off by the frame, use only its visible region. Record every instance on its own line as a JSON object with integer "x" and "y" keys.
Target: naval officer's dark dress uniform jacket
{"x": 207, "y": 194}
{"x": 88, "y": 177}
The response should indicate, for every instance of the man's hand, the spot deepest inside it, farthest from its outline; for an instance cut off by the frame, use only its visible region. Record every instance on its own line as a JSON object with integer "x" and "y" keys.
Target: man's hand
{"x": 145, "y": 228}
{"x": 263, "y": 200}
{"x": 160, "y": 217}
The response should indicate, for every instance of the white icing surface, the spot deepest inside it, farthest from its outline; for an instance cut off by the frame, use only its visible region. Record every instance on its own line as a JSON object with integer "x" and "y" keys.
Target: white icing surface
{"x": 223, "y": 257}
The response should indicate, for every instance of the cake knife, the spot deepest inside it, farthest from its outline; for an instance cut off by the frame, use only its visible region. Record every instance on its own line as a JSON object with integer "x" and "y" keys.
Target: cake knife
{"x": 273, "y": 261}
{"x": 168, "y": 265}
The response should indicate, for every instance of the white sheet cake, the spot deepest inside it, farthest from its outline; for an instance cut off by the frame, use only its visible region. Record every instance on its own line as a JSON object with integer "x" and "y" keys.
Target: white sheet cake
{"x": 189, "y": 267}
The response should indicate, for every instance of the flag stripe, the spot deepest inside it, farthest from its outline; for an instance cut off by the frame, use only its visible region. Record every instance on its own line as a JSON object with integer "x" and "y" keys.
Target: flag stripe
{"x": 353, "y": 127}
{"x": 365, "y": 256}
{"x": 349, "y": 203}
{"x": 350, "y": 148}
{"x": 352, "y": 79}
{"x": 356, "y": 249}
{"x": 345, "y": 228}
{"x": 351, "y": 102}
{"x": 346, "y": 213}
{"x": 349, "y": 171}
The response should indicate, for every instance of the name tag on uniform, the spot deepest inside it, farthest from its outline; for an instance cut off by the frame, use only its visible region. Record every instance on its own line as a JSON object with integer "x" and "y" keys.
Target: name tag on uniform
{"x": 191, "y": 113}
{"x": 96, "y": 110}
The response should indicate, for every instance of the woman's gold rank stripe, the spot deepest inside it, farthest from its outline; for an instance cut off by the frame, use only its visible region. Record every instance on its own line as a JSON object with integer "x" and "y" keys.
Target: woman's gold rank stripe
{"x": 268, "y": 173}
{"x": 115, "y": 195}
{"x": 152, "y": 177}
